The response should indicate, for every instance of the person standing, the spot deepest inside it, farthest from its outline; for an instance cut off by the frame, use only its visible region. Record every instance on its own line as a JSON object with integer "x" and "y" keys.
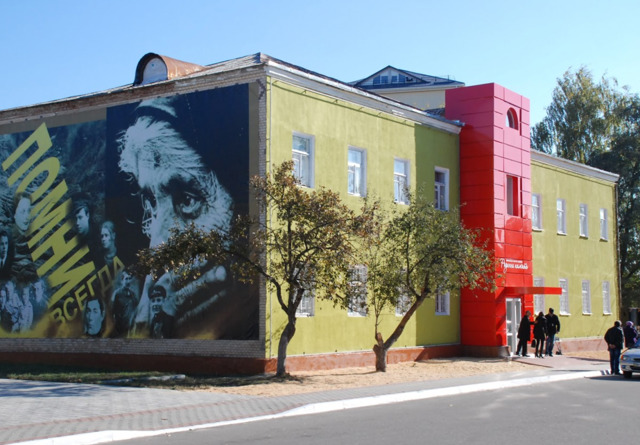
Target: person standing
{"x": 630, "y": 334}
{"x": 615, "y": 342}
{"x": 524, "y": 335}
{"x": 553, "y": 327}
{"x": 539, "y": 333}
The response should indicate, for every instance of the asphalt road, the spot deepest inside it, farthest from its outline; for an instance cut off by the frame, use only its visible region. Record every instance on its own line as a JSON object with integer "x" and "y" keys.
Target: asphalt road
{"x": 591, "y": 410}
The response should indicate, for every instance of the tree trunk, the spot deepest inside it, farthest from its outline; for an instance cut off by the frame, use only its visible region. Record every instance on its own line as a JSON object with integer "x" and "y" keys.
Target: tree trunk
{"x": 285, "y": 338}
{"x": 380, "y": 349}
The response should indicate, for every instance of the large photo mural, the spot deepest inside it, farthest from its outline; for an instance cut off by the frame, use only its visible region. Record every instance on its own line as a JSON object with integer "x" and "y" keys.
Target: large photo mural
{"x": 78, "y": 201}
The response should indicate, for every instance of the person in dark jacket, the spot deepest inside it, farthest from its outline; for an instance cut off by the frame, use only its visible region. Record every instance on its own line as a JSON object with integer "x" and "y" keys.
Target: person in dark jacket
{"x": 553, "y": 327}
{"x": 630, "y": 334}
{"x": 540, "y": 333}
{"x": 615, "y": 342}
{"x": 524, "y": 335}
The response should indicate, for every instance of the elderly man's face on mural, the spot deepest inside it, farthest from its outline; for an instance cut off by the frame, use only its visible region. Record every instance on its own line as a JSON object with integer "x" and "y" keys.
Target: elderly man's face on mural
{"x": 176, "y": 187}
{"x": 94, "y": 316}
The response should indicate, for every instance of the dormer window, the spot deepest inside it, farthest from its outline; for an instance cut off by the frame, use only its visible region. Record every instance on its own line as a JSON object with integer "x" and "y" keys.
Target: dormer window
{"x": 155, "y": 70}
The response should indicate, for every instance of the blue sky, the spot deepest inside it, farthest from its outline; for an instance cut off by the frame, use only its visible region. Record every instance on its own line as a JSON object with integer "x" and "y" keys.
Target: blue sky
{"x": 56, "y": 49}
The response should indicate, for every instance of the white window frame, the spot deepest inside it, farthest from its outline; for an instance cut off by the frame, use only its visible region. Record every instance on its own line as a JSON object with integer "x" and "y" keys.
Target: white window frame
{"x": 400, "y": 181}
{"x": 443, "y": 301}
{"x": 307, "y": 306}
{"x": 586, "y": 297}
{"x": 357, "y": 303}
{"x": 357, "y": 171}
{"x": 441, "y": 189}
{"x": 563, "y": 283}
{"x": 604, "y": 225}
{"x": 561, "y": 213}
{"x": 584, "y": 220}
{"x": 303, "y": 171}
{"x": 606, "y": 298}
{"x": 404, "y": 302}
{"x": 536, "y": 211}
{"x": 538, "y": 299}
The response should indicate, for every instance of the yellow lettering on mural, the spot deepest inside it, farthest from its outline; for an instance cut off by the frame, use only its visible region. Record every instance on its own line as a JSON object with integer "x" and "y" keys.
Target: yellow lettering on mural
{"x": 69, "y": 278}
{"x": 51, "y": 166}
{"x": 69, "y": 315}
{"x": 89, "y": 283}
{"x": 81, "y": 295}
{"x": 42, "y": 138}
{"x": 105, "y": 277}
{"x": 57, "y": 316}
{"x": 45, "y": 214}
{"x": 58, "y": 245}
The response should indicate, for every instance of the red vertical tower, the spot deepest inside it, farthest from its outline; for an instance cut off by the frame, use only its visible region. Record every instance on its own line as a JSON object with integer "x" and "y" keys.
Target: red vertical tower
{"x": 495, "y": 192}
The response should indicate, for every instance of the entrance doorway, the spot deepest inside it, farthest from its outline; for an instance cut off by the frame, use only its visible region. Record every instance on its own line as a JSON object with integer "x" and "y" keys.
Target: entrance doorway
{"x": 514, "y": 314}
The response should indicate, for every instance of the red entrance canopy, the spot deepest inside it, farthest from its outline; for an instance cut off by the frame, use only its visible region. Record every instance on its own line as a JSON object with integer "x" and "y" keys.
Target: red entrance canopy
{"x": 533, "y": 290}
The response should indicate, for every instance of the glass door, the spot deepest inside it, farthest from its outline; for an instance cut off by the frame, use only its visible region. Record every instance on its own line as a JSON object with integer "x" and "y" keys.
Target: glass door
{"x": 514, "y": 314}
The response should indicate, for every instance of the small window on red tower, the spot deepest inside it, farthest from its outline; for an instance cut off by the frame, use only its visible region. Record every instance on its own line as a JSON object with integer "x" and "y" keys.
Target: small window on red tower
{"x": 512, "y": 119}
{"x": 513, "y": 196}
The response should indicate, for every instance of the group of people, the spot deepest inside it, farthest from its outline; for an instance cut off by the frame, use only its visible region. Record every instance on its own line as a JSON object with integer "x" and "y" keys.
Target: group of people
{"x": 21, "y": 308}
{"x": 618, "y": 338}
{"x": 545, "y": 328}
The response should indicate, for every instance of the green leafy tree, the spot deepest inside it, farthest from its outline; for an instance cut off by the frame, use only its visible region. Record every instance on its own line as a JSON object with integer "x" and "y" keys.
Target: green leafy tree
{"x": 596, "y": 123}
{"x": 623, "y": 158}
{"x": 580, "y": 119}
{"x": 302, "y": 241}
{"x": 412, "y": 254}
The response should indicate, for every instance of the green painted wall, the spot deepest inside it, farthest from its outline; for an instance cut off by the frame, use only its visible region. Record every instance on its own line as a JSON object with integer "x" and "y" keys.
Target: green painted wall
{"x": 336, "y": 125}
{"x": 573, "y": 257}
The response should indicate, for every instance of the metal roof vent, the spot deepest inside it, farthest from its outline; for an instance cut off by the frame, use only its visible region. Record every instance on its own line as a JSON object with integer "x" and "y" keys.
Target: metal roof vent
{"x": 156, "y": 68}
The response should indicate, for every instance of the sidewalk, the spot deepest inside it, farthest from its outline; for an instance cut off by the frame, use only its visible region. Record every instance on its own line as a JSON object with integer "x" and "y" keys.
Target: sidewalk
{"x": 55, "y": 413}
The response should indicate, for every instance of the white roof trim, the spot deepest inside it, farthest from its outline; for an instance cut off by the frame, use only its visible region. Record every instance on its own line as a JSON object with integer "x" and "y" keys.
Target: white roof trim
{"x": 340, "y": 90}
{"x": 573, "y": 166}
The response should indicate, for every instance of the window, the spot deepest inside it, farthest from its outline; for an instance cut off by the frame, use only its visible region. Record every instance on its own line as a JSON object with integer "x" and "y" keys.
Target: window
{"x": 536, "y": 212}
{"x": 442, "y": 303}
{"x": 513, "y": 196}
{"x": 606, "y": 298}
{"x": 562, "y": 216}
{"x": 604, "y": 226}
{"x": 404, "y": 302}
{"x": 512, "y": 119}
{"x": 586, "y": 297}
{"x": 400, "y": 181}
{"x": 538, "y": 299}
{"x": 584, "y": 221}
{"x": 356, "y": 172}
{"x": 442, "y": 189}
{"x": 307, "y": 305}
{"x": 357, "y": 304}
{"x": 564, "y": 296}
{"x": 307, "y": 302}
{"x": 303, "y": 159}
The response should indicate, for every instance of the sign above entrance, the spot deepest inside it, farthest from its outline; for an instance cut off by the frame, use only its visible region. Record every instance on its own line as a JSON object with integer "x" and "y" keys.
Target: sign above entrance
{"x": 508, "y": 263}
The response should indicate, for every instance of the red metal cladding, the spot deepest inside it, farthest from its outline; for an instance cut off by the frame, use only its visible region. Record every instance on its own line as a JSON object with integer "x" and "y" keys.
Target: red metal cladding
{"x": 495, "y": 172}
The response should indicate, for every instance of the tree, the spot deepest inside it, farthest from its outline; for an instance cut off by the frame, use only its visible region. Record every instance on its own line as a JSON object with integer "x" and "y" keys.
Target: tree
{"x": 580, "y": 120}
{"x": 302, "y": 241}
{"x": 413, "y": 254}
{"x": 623, "y": 158}
{"x": 597, "y": 124}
